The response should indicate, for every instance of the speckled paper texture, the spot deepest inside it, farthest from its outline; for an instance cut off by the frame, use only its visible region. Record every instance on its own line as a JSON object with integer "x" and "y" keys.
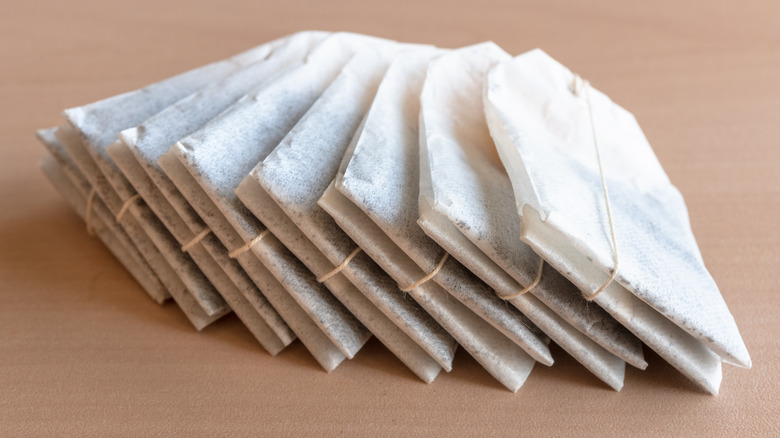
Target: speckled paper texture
{"x": 77, "y": 190}
{"x": 321, "y": 347}
{"x": 501, "y": 357}
{"x": 467, "y": 200}
{"x": 154, "y": 136}
{"x": 90, "y": 129}
{"x": 296, "y": 182}
{"x": 551, "y": 159}
{"x": 67, "y": 136}
{"x": 218, "y": 159}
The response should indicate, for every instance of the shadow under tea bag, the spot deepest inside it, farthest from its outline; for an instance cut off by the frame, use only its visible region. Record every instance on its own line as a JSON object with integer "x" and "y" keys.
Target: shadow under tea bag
{"x": 296, "y": 174}
{"x": 152, "y": 138}
{"x": 502, "y": 357}
{"x": 554, "y": 133}
{"x": 225, "y": 150}
{"x": 465, "y": 194}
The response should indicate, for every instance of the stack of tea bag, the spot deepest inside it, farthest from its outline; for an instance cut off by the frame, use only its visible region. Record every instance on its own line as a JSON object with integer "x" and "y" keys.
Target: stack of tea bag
{"x": 334, "y": 186}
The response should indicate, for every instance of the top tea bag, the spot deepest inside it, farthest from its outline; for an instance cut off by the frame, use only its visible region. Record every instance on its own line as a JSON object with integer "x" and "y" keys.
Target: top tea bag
{"x": 466, "y": 200}
{"x": 550, "y": 130}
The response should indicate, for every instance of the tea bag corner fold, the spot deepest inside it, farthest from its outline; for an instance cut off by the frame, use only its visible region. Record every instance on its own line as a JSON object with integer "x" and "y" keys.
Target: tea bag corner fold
{"x": 550, "y": 129}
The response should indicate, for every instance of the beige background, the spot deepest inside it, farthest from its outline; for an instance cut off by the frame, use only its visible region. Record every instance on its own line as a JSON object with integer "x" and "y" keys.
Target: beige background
{"x": 83, "y": 350}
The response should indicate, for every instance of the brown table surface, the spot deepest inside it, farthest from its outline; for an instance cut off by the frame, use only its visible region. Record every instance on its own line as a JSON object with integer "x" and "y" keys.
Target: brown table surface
{"x": 84, "y": 351}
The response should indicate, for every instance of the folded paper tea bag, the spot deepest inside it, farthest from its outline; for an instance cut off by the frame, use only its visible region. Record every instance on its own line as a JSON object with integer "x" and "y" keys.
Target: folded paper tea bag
{"x": 137, "y": 236}
{"x": 77, "y": 192}
{"x": 295, "y": 182}
{"x": 396, "y": 101}
{"x": 64, "y": 185}
{"x": 312, "y": 337}
{"x": 253, "y": 316}
{"x": 217, "y": 159}
{"x": 596, "y": 204}
{"x": 91, "y": 128}
{"x": 152, "y": 138}
{"x": 466, "y": 200}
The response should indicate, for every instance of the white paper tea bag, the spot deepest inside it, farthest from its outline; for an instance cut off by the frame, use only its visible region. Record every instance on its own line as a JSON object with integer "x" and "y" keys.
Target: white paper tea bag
{"x": 97, "y": 211}
{"x": 312, "y": 337}
{"x": 56, "y": 175}
{"x": 218, "y": 159}
{"x": 152, "y": 138}
{"x": 465, "y": 194}
{"x": 91, "y": 128}
{"x": 503, "y": 358}
{"x": 253, "y": 319}
{"x": 554, "y": 133}
{"x": 295, "y": 182}
{"x": 162, "y": 269}
{"x": 107, "y": 230}
{"x": 79, "y": 203}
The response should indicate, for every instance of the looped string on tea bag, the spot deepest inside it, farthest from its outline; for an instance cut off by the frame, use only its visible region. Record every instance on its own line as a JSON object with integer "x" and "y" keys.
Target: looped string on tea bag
{"x": 127, "y": 205}
{"x": 338, "y": 268}
{"x": 186, "y": 247}
{"x": 88, "y": 215}
{"x": 578, "y": 85}
{"x": 237, "y": 252}
{"x": 427, "y": 277}
{"x": 529, "y": 287}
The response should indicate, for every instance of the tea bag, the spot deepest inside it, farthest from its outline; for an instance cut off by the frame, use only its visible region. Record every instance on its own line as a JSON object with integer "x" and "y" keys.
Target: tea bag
{"x": 137, "y": 236}
{"x": 295, "y": 182}
{"x": 397, "y": 99}
{"x": 596, "y": 204}
{"x": 463, "y": 190}
{"x": 77, "y": 190}
{"x": 152, "y": 138}
{"x": 315, "y": 341}
{"x": 58, "y": 178}
{"x": 91, "y": 128}
{"x": 218, "y": 159}
{"x": 252, "y": 318}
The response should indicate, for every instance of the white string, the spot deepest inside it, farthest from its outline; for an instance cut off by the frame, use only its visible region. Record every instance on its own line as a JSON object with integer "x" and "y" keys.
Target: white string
{"x": 529, "y": 287}
{"x": 186, "y": 247}
{"x": 427, "y": 277}
{"x": 341, "y": 266}
{"x": 126, "y": 206}
{"x": 237, "y": 252}
{"x": 578, "y": 84}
